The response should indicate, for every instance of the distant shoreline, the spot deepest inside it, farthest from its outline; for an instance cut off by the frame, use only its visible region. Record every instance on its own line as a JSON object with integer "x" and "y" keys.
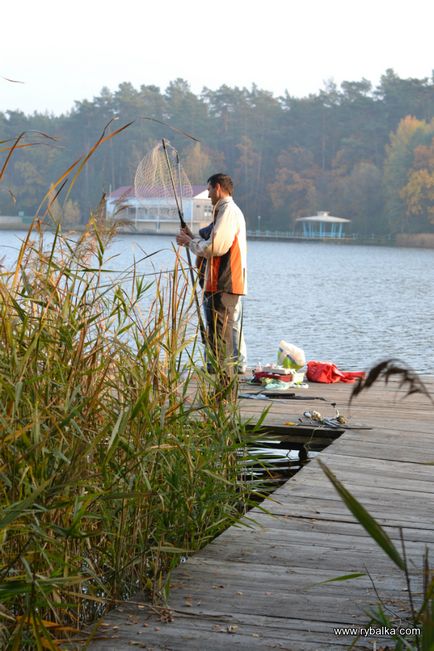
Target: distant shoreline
{"x": 415, "y": 240}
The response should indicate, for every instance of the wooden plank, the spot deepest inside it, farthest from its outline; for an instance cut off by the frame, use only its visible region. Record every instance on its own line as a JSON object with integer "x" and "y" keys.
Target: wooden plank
{"x": 314, "y": 537}
{"x": 378, "y": 472}
{"x": 383, "y": 451}
{"x": 310, "y": 524}
{"x": 214, "y": 630}
{"x": 333, "y": 509}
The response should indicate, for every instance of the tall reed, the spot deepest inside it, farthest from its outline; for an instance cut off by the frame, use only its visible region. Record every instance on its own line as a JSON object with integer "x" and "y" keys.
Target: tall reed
{"x": 107, "y": 469}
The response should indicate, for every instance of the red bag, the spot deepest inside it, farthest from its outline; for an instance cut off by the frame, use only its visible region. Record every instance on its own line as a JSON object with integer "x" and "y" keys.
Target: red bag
{"x": 328, "y": 373}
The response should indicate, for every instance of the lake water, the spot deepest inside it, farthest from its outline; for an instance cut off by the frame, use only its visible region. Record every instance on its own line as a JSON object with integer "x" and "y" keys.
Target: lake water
{"x": 353, "y": 305}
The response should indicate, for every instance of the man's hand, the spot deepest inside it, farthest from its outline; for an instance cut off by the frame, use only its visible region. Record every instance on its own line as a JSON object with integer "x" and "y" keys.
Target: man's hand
{"x": 184, "y": 238}
{"x": 187, "y": 231}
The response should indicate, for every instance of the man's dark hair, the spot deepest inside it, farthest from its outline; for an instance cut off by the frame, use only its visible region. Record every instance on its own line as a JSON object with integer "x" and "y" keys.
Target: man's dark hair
{"x": 223, "y": 180}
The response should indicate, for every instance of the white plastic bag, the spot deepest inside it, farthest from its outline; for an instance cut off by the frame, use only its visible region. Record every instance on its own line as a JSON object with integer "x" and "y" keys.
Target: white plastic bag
{"x": 290, "y": 356}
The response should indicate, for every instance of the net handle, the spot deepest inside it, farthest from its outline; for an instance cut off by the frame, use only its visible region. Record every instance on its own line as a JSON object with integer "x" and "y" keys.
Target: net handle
{"x": 175, "y": 194}
{"x": 183, "y": 225}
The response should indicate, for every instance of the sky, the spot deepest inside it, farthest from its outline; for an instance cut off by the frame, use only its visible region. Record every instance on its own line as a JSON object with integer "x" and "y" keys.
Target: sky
{"x": 68, "y": 52}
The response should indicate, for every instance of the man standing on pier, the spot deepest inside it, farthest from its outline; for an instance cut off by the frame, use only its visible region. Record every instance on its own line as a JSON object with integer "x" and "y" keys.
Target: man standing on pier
{"x": 239, "y": 342}
{"x": 225, "y": 276}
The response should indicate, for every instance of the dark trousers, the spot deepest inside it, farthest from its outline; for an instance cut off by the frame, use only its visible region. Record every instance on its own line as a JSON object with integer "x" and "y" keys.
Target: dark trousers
{"x": 220, "y": 311}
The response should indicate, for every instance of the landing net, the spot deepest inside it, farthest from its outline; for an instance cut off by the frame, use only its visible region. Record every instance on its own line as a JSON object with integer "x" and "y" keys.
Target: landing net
{"x": 153, "y": 177}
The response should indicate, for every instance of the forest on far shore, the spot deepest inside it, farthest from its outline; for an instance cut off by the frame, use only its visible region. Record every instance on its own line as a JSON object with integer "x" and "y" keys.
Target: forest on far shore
{"x": 356, "y": 151}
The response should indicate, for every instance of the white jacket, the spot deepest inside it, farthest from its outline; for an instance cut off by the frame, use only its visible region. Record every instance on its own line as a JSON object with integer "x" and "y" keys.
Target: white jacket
{"x": 225, "y": 250}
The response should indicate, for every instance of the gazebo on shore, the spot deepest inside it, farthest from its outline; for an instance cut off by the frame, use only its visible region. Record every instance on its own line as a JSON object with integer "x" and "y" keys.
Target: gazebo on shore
{"x": 323, "y": 225}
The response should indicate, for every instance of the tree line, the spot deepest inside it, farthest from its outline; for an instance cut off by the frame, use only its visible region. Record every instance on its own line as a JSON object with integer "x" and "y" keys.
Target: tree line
{"x": 356, "y": 151}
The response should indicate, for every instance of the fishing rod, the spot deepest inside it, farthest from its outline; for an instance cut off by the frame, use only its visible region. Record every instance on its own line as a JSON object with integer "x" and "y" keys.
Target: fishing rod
{"x": 183, "y": 225}
{"x": 171, "y": 127}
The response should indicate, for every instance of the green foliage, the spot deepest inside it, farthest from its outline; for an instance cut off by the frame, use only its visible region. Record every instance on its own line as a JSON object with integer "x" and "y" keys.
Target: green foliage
{"x": 360, "y": 196}
{"x": 288, "y": 156}
{"x": 107, "y": 470}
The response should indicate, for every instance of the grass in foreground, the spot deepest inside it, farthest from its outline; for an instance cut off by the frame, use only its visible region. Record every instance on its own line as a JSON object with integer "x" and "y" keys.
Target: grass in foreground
{"x": 107, "y": 472}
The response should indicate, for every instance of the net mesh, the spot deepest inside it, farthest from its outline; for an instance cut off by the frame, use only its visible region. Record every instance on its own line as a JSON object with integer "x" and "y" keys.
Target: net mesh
{"x": 153, "y": 176}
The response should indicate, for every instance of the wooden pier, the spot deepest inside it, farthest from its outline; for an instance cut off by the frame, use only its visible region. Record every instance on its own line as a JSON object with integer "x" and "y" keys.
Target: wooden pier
{"x": 262, "y": 586}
